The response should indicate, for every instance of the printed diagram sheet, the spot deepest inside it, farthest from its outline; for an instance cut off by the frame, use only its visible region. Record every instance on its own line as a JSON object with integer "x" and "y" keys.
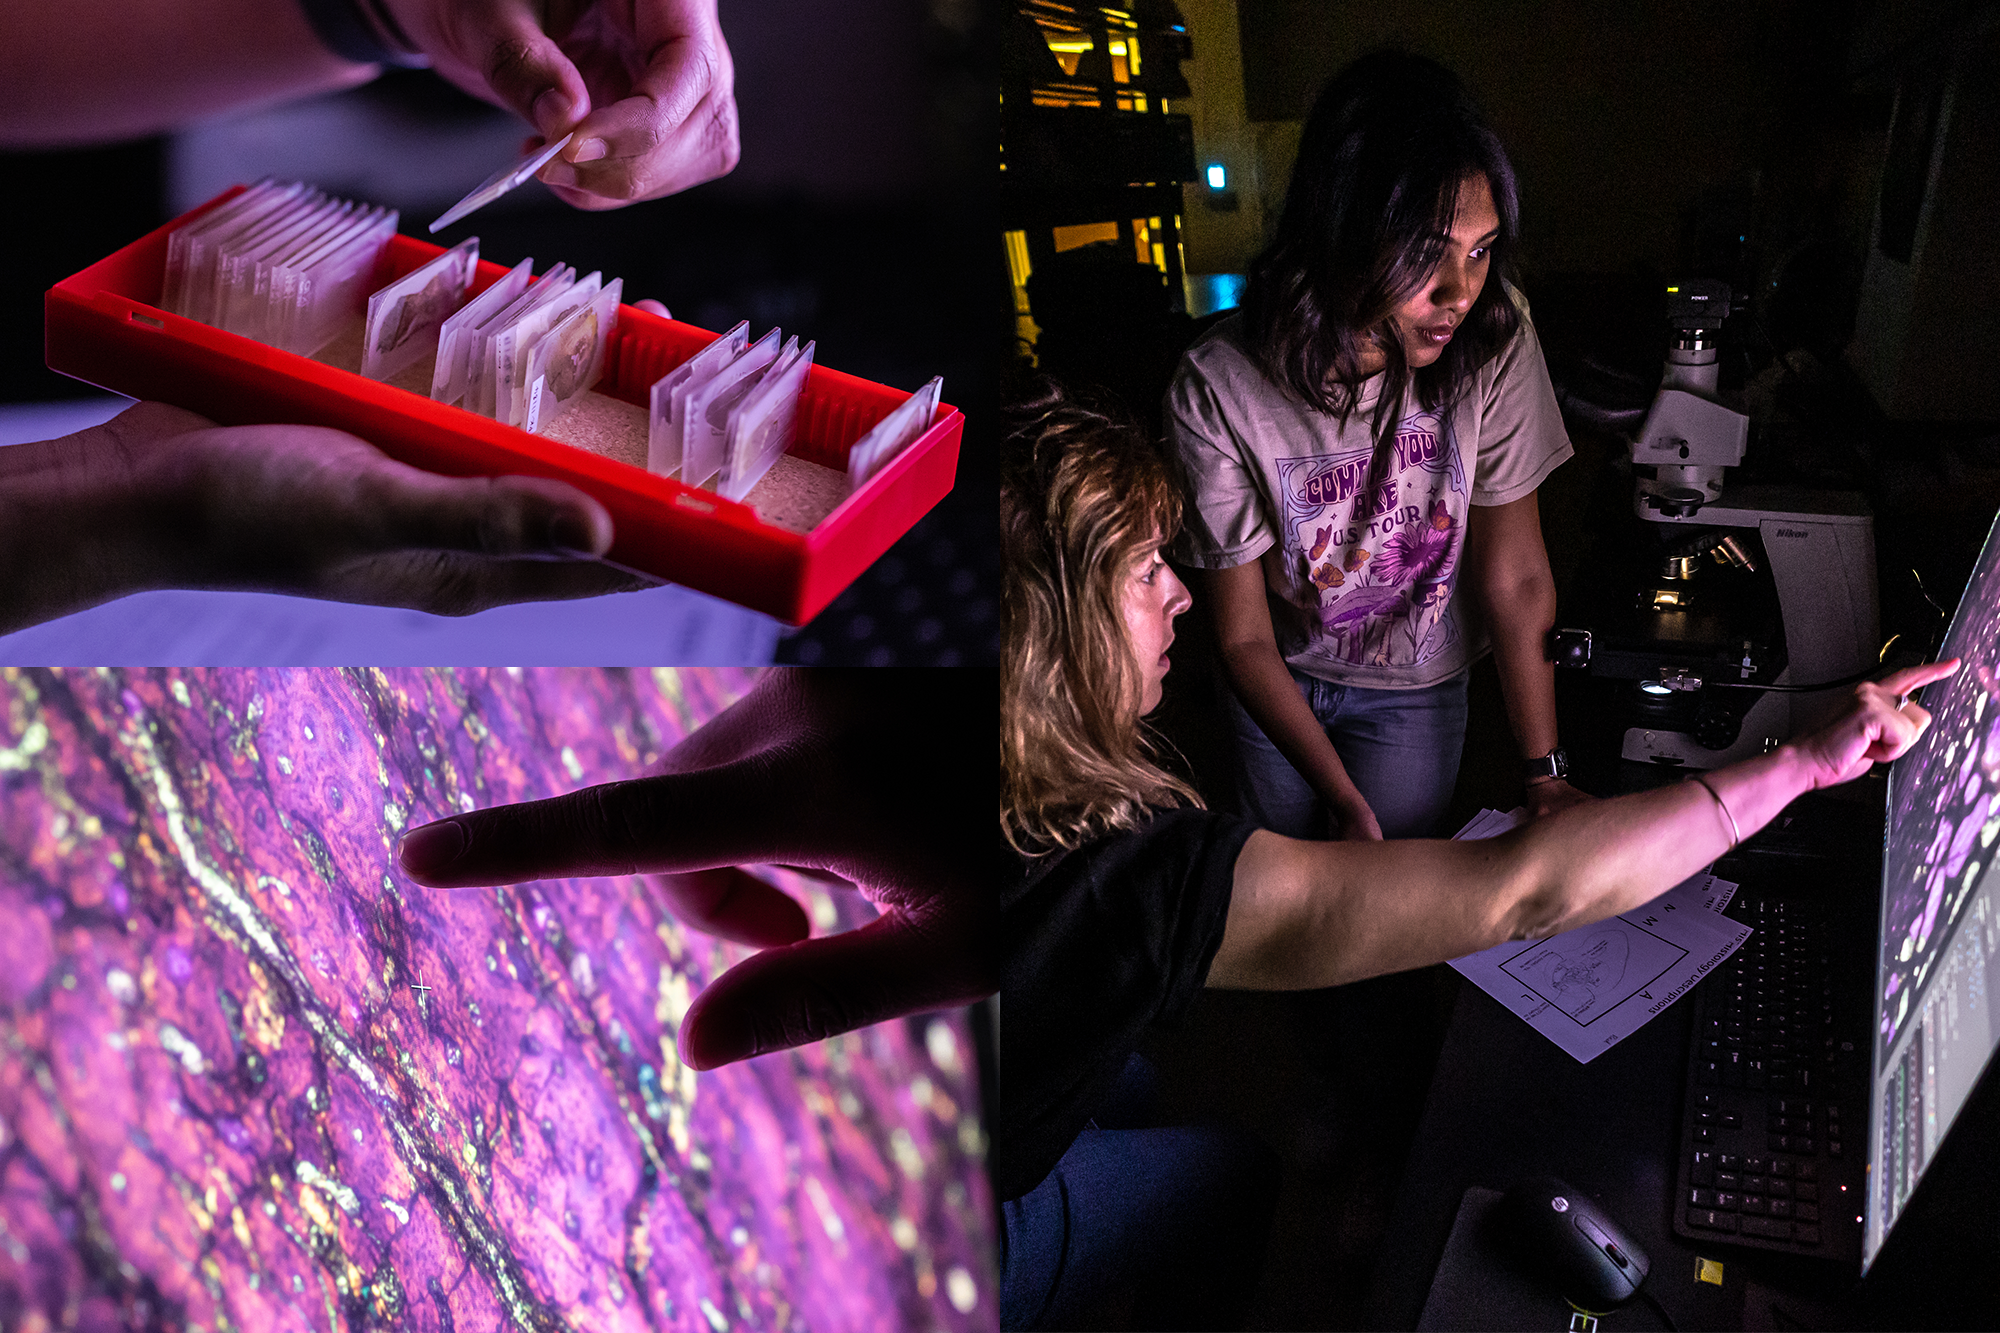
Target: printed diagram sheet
{"x": 1588, "y": 989}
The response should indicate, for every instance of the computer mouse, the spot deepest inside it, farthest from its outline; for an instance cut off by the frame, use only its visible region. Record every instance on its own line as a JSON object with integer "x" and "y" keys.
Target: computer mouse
{"x": 1560, "y": 1234}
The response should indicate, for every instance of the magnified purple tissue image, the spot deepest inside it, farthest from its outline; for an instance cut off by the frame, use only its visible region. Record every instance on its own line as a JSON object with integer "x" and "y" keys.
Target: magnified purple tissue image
{"x": 252, "y": 1076}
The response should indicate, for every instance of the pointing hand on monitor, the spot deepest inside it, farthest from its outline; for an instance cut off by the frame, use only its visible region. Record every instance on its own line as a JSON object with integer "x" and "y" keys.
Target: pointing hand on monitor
{"x": 1880, "y": 726}
{"x": 881, "y": 779}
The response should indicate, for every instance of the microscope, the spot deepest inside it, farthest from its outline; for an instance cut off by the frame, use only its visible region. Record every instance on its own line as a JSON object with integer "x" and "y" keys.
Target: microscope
{"x": 1748, "y": 596}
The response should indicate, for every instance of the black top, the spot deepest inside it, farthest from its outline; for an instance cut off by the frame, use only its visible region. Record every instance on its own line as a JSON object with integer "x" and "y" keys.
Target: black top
{"x": 1097, "y": 945}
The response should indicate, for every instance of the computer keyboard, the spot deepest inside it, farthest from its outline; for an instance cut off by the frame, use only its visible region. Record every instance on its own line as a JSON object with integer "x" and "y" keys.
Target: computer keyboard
{"x": 1775, "y": 1126}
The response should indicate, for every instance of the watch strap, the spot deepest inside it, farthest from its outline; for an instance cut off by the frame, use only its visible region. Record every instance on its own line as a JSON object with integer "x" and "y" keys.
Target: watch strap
{"x": 1554, "y": 764}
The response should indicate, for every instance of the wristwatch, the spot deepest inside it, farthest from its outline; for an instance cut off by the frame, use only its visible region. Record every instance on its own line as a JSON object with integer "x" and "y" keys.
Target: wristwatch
{"x": 1554, "y": 764}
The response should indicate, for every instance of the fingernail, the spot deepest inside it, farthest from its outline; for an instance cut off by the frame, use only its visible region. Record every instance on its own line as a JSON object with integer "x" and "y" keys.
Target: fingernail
{"x": 572, "y": 535}
{"x": 709, "y": 1043}
{"x": 432, "y": 848}
{"x": 550, "y": 110}
{"x": 589, "y": 151}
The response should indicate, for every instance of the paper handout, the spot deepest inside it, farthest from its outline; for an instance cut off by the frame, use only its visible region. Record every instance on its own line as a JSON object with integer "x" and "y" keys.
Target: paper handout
{"x": 1588, "y": 989}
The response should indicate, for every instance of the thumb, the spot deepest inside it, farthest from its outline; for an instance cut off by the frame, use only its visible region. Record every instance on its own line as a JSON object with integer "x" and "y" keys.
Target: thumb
{"x": 526, "y": 70}
{"x": 1852, "y": 751}
{"x": 802, "y": 992}
{"x": 502, "y": 516}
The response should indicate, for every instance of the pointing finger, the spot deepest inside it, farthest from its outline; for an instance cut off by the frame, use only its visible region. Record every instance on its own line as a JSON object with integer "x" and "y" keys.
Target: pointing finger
{"x": 1902, "y": 682}
{"x": 674, "y": 822}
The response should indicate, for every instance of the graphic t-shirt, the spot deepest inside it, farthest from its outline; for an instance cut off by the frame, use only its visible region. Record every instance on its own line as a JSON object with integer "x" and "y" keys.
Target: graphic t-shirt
{"x": 1360, "y": 545}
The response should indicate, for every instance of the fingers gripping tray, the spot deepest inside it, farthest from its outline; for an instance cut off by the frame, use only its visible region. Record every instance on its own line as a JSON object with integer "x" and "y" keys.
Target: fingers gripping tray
{"x": 105, "y": 326}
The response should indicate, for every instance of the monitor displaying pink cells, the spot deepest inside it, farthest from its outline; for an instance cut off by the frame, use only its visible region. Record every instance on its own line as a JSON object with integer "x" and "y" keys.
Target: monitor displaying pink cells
{"x": 252, "y": 1076}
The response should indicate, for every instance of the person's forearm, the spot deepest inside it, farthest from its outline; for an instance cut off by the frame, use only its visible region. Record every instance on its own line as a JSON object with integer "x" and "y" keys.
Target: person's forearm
{"x": 115, "y": 69}
{"x": 1607, "y": 857}
{"x": 1268, "y": 693}
{"x": 1519, "y": 617}
{"x": 1305, "y": 914}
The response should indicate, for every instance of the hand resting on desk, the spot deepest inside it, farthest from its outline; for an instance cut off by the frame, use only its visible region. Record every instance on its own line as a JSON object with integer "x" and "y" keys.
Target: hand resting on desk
{"x": 1311, "y": 914}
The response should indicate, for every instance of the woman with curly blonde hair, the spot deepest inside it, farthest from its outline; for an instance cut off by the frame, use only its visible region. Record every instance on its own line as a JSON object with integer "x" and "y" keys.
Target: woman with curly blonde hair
{"x": 1084, "y": 506}
{"x": 1125, "y": 898}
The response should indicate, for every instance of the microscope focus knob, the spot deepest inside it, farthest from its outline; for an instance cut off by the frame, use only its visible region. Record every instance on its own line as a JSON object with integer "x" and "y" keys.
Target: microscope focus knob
{"x": 1715, "y": 727}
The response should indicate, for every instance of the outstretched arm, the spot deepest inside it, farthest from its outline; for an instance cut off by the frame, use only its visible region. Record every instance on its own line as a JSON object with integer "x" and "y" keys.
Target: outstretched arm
{"x": 1305, "y": 915}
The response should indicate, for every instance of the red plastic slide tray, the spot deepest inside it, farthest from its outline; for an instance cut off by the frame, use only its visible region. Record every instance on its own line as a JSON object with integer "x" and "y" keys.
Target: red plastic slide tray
{"x": 104, "y": 328}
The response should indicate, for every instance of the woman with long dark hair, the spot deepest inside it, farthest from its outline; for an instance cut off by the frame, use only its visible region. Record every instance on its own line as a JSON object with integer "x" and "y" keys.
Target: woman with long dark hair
{"x": 1362, "y": 442}
{"x": 1123, "y": 898}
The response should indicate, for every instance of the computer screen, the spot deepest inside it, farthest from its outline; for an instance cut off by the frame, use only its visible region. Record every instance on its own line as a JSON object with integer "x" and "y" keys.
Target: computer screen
{"x": 1936, "y": 1019}
{"x": 249, "y": 1067}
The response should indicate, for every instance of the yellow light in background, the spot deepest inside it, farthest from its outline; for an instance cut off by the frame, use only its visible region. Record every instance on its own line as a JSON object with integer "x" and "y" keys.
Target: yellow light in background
{"x": 1066, "y": 97}
{"x": 1159, "y": 248}
{"x": 1028, "y": 332}
{"x": 1142, "y": 240}
{"x": 1069, "y": 238}
{"x": 1018, "y": 267}
{"x": 1120, "y": 73}
{"x": 1068, "y": 46}
{"x": 1132, "y": 55}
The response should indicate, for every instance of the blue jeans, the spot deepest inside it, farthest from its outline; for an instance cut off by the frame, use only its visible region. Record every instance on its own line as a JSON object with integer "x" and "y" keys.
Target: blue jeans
{"x": 1400, "y": 747}
{"x": 1178, "y": 1217}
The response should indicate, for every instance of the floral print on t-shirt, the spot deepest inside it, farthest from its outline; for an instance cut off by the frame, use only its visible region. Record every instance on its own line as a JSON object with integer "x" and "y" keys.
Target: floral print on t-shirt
{"x": 1376, "y": 533}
